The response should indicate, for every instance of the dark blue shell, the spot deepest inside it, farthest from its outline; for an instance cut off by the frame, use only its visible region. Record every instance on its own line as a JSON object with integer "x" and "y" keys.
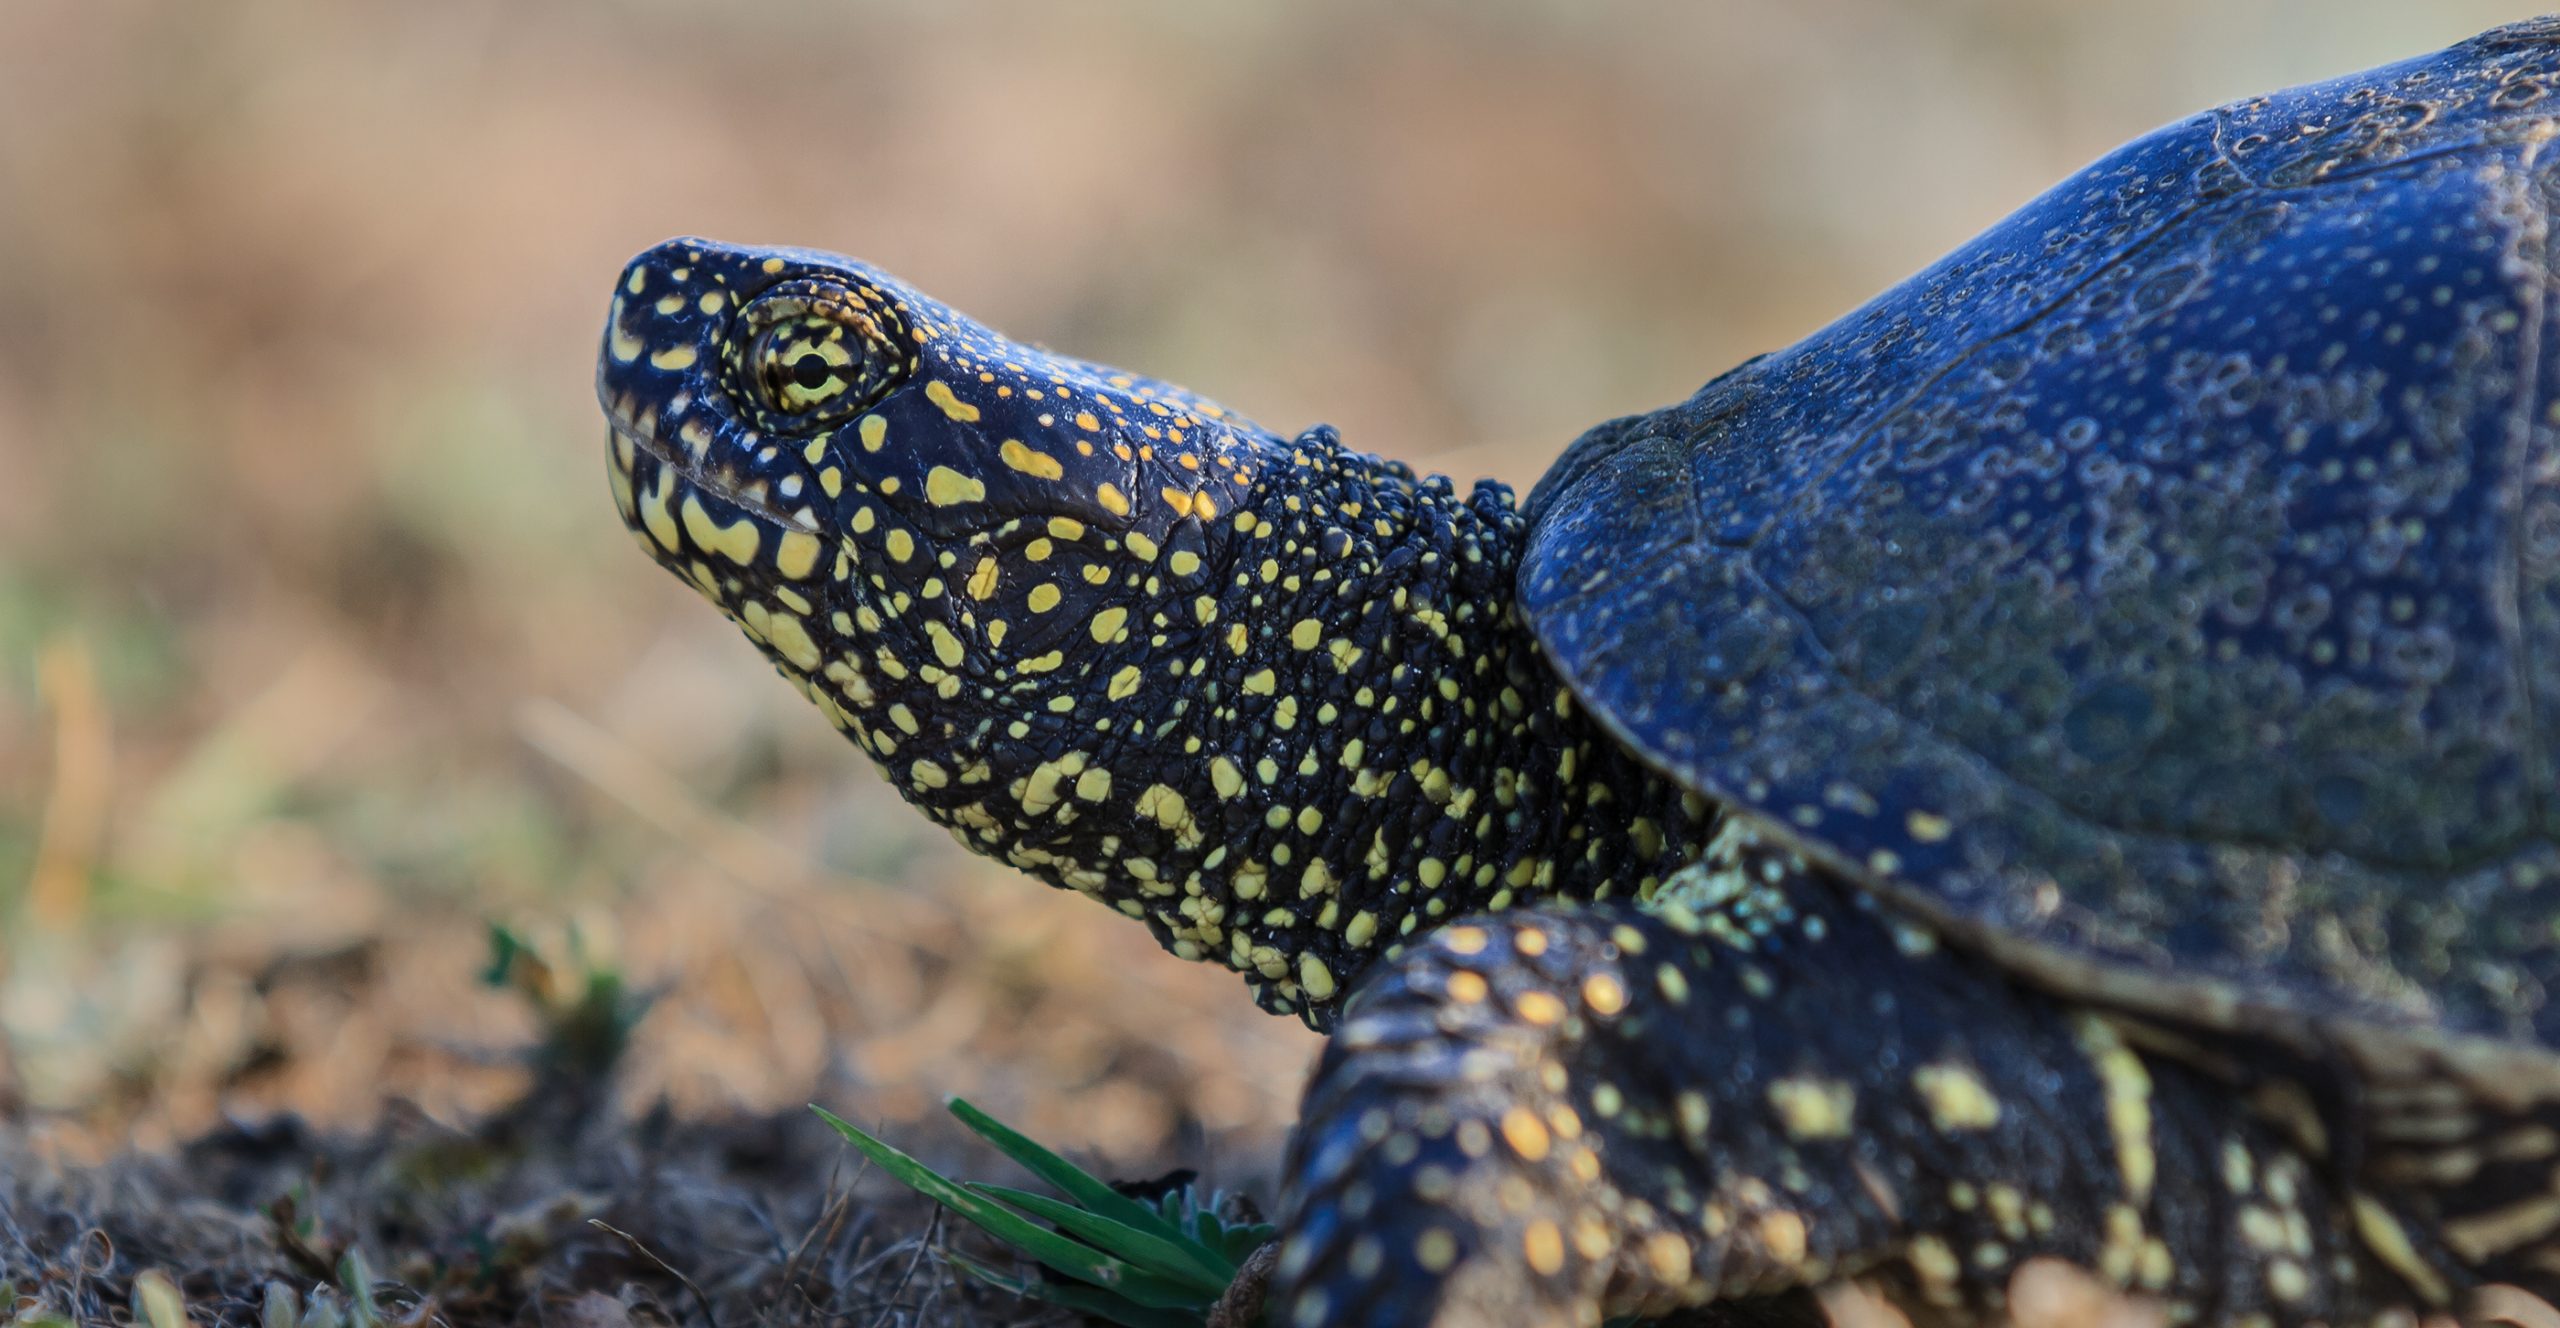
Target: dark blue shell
{"x": 2170, "y": 576}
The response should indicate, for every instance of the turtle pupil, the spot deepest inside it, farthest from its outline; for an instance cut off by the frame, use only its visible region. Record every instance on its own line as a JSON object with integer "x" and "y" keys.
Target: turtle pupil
{"x": 811, "y": 371}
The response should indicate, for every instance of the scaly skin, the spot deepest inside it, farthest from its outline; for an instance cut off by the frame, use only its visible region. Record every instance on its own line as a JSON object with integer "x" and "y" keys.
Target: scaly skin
{"x": 1274, "y": 698}
{"x": 1267, "y": 695}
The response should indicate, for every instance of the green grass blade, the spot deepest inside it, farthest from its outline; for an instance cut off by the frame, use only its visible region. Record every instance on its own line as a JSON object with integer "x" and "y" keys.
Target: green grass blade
{"x": 1178, "y": 1260}
{"x": 1071, "y": 1180}
{"x": 1059, "y": 1252}
{"x": 356, "y": 1275}
{"x": 1094, "y": 1301}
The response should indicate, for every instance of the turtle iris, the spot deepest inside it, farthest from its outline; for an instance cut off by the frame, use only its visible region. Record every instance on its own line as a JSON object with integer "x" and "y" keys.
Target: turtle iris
{"x": 810, "y": 354}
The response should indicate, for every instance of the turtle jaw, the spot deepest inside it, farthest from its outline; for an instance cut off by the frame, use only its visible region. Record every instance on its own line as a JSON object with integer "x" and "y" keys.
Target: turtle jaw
{"x": 631, "y": 440}
{"x": 705, "y": 506}
{"x": 726, "y": 507}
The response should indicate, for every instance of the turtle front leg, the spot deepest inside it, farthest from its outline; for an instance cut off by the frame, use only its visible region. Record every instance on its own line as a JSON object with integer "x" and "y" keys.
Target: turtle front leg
{"x": 1548, "y": 1116}
{"x": 1489, "y": 1139}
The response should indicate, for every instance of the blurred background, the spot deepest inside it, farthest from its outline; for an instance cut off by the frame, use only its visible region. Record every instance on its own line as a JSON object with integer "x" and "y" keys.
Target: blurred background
{"x": 321, "y": 647}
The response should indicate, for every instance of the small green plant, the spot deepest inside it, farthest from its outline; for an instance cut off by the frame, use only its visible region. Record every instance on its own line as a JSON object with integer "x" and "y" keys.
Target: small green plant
{"x": 587, "y": 1011}
{"x": 1145, "y": 1265}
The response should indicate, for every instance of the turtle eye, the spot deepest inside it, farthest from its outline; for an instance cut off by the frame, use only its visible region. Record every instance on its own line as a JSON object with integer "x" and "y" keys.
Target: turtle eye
{"x": 811, "y": 353}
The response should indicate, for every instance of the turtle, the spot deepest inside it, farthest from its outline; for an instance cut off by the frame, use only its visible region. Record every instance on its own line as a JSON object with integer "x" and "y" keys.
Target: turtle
{"x": 2058, "y": 765}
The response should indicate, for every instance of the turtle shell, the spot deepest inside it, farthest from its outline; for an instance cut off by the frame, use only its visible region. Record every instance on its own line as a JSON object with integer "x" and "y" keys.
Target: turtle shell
{"x": 2161, "y": 591}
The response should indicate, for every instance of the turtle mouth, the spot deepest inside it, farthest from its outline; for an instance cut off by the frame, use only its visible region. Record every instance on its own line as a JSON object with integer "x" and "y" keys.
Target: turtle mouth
{"x": 693, "y": 472}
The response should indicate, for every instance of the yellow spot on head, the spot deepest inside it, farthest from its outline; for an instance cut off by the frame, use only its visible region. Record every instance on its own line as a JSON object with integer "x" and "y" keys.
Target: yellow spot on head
{"x": 737, "y": 542}
{"x": 789, "y": 636}
{"x": 1107, "y": 624}
{"x": 1030, "y": 462}
{"x": 1928, "y": 827}
{"x": 1604, "y": 994}
{"x": 1466, "y": 987}
{"x": 874, "y": 431}
{"x": 939, "y": 393}
{"x": 797, "y": 554}
{"x": 673, "y": 357}
{"x": 1112, "y": 500}
{"x": 946, "y": 647}
{"x": 945, "y": 487}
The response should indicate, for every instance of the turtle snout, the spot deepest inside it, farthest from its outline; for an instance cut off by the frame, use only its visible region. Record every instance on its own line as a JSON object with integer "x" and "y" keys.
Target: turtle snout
{"x": 661, "y": 333}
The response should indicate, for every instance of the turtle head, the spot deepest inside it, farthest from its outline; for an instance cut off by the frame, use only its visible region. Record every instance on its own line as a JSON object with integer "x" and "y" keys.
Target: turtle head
{"x": 899, "y": 505}
{"x": 765, "y": 400}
